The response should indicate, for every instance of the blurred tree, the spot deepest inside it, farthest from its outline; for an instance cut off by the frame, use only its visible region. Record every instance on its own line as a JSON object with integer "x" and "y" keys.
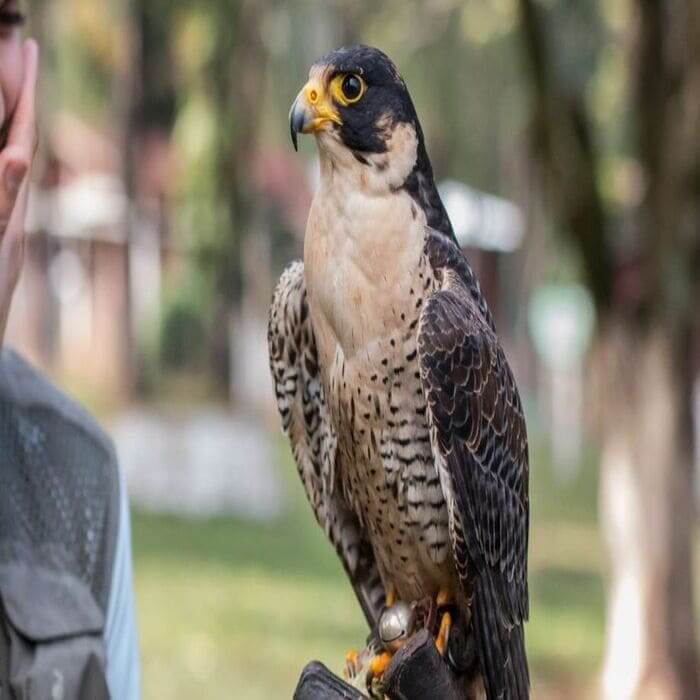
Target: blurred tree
{"x": 145, "y": 108}
{"x": 221, "y": 66}
{"x": 641, "y": 262}
{"x": 236, "y": 76}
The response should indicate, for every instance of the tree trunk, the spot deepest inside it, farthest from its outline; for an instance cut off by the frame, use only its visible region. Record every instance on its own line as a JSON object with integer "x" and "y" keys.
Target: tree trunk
{"x": 237, "y": 77}
{"x": 646, "y": 501}
{"x": 646, "y": 309}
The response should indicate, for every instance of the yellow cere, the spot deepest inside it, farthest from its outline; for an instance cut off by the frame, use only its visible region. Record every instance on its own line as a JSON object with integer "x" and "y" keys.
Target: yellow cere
{"x": 321, "y": 106}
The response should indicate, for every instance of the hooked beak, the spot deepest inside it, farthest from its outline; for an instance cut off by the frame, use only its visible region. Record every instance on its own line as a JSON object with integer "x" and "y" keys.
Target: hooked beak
{"x": 298, "y": 116}
{"x": 311, "y": 111}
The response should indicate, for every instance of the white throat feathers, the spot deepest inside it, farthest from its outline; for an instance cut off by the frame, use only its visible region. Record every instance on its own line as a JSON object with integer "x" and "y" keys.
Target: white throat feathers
{"x": 373, "y": 173}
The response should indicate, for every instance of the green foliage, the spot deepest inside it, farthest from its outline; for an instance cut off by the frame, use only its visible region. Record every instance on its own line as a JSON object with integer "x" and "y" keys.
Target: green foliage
{"x": 185, "y": 317}
{"x": 180, "y": 337}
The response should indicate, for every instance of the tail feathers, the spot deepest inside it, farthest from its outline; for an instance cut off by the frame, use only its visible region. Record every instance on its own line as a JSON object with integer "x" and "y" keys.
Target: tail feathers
{"x": 501, "y": 647}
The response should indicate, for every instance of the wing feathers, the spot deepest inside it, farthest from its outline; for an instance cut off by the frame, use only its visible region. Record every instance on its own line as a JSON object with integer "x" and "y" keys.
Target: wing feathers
{"x": 479, "y": 436}
{"x": 501, "y": 649}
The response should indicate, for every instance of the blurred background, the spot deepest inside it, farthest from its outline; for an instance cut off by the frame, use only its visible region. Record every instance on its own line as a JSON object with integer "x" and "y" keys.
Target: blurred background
{"x": 565, "y": 135}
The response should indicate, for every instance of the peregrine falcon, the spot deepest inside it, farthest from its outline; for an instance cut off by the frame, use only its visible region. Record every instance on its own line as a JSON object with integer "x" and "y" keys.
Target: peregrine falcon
{"x": 402, "y": 412}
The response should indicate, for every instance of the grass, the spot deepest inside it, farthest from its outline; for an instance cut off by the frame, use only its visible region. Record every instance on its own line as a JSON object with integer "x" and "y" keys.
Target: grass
{"x": 236, "y": 609}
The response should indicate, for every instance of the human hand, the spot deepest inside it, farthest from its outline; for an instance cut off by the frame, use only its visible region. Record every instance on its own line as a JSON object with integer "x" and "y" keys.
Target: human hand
{"x": 16, "y": 159}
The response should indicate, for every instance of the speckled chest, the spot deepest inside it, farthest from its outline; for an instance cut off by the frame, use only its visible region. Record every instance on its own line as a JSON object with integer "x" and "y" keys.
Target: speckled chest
{"x": 385, "y": 461}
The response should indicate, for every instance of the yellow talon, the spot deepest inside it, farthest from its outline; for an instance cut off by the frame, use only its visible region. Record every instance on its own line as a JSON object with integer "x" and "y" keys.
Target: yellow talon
{"x": 443, "y": 598}
{"x": 379, "y": 664}
{"x": 350, "y": 664}
{"x": 390, "y": 597}
{"x": 441, "y": 639}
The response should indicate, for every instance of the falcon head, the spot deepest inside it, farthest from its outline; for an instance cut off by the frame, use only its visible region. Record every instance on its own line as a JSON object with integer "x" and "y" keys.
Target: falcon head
{"x": 369, "y": 137}
{"x": 357, "y": 105}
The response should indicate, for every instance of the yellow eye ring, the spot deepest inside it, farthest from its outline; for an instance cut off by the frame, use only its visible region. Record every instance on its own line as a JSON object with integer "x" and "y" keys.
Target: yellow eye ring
{"x": 348, "y": 88}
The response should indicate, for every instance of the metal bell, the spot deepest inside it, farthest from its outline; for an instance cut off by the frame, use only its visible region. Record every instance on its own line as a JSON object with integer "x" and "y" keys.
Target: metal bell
{"x": 396, "y": 625}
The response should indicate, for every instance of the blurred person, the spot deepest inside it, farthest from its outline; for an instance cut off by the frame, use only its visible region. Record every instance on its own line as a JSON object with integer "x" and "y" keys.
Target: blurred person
{"x": 67, "y": 623}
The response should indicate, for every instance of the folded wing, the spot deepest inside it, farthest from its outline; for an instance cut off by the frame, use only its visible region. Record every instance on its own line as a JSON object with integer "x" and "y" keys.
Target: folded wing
{"x": 480, "y": 445}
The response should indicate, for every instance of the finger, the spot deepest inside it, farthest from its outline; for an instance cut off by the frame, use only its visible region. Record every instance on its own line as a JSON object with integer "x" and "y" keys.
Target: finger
{"x": 19, "y": 211}
{"x": 13, "y": 175}
{"x": 15, "y": 234}
{"x": 11, "y": 255}
{"x": 16, "y": 157}
{"x": 23, "y": 128}
{"x": 14, "y": 166}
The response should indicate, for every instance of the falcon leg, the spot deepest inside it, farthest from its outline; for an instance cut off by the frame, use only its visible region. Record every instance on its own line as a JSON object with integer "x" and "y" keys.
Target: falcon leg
{"x": 355, "y": 661}
{"x": 395, "y": 624}
{"x": 443, "y": 634}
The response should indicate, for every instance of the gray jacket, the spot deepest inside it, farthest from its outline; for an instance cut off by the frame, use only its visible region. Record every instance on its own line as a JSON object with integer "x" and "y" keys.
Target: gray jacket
{"x": 59, "y": 508}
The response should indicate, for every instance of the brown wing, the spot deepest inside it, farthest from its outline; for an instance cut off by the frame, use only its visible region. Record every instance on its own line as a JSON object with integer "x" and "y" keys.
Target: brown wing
{"x": 305, "y": 421}
{"x": 481, "y": 450}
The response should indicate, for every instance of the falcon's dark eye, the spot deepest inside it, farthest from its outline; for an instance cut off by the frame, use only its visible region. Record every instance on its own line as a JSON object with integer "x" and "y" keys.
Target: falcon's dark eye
{"x": 352, "y": 87}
